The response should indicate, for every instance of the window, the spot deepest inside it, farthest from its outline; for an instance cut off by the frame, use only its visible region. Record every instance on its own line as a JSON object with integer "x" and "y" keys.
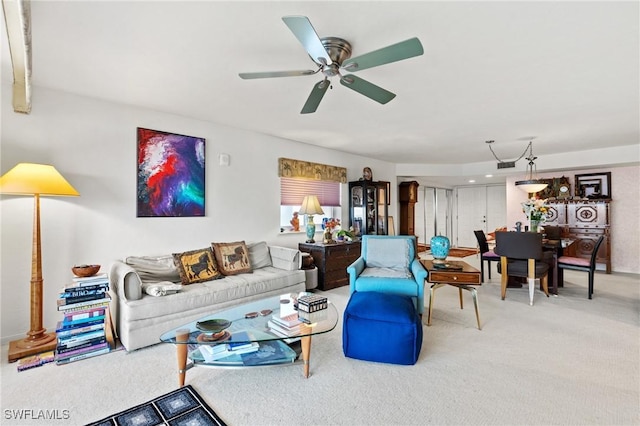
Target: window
{"x": 293, "y": 191}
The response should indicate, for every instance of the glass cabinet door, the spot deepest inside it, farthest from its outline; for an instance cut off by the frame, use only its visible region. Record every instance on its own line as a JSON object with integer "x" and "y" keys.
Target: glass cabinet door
{"x": 368, "y": 213}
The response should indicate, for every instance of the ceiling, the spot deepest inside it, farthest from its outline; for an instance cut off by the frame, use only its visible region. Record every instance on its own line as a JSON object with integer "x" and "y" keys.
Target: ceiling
{"x": 566, "y": 73}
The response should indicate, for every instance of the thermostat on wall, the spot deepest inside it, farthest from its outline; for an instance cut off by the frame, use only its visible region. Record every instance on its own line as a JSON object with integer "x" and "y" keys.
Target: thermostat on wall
{"x": 223, "y": 159}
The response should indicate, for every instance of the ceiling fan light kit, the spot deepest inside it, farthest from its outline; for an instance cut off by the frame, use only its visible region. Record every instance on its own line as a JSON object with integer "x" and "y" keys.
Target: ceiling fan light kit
{"x": 332, "y": 54}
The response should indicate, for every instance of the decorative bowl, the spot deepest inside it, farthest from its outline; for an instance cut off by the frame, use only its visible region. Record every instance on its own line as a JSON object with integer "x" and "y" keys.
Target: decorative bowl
{"x": 85, "y": 270}
{"x": 213, "y": 326}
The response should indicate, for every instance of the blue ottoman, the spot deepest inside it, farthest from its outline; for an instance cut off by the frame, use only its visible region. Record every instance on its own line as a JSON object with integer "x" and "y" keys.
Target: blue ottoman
{"x": 381, "y": 327}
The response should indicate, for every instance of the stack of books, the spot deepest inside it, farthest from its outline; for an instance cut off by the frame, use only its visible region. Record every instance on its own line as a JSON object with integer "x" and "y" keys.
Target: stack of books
{"x": 242, "y": 345}
{"x": 312, "y": 303}
{"x": 285, "y": 326}
{"x": 35, "y": 360}
{"x": 85, "y": 330}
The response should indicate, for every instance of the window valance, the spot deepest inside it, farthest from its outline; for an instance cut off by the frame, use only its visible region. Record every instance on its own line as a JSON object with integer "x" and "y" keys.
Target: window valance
{"x": 289, "y": 168}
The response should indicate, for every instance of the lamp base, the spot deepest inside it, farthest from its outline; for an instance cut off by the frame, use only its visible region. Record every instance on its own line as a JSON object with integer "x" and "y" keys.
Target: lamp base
{"x": 311, "y": 230}
{"x": 27, "y": 346}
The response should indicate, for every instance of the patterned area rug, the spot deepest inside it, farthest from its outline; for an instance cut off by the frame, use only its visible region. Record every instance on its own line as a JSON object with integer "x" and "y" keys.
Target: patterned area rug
{"x": 453, "y": 251}
{"x": 181, "y": 407}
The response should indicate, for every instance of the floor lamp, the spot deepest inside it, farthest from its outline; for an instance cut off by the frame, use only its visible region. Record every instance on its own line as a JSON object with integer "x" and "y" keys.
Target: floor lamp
{"x": 35, "y": 180}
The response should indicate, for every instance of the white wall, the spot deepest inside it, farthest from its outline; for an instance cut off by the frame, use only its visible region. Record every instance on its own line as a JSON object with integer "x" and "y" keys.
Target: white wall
{"x": 93, "y": 144}
{"x": 625, "y": 209}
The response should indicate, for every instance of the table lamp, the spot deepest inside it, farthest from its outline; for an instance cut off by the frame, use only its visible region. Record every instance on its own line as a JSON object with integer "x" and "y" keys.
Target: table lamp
{"x": 35, "y": 180}
{"x": 310, "y": 206}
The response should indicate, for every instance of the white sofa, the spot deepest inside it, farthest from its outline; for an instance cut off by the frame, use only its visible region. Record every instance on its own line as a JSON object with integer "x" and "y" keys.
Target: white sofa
{"x": 140, "y": 317}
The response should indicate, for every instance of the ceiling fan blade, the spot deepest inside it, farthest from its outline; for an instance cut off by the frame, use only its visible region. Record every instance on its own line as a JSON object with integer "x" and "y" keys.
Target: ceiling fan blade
{"x": 315, "y": 97}
{"x": 269, "y": 74}
{"x": 370, "y": 90}
{"x": 301, "y": 27}
{"x": 396, "y": 52}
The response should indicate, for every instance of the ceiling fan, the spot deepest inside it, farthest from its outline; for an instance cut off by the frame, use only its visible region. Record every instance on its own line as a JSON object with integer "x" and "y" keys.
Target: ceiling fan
{"x": 333, "y": 54}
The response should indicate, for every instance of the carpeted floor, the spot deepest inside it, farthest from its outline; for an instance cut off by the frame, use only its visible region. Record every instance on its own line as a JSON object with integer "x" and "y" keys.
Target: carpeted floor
{"x": 566, "y": 360}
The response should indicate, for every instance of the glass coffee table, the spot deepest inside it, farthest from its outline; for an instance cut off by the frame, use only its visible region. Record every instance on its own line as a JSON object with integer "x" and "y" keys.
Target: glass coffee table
{"x": 244, "y": 326}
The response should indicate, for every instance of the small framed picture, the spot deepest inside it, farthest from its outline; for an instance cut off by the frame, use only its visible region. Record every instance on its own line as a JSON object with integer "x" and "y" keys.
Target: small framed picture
{"x": 593, "y": 185}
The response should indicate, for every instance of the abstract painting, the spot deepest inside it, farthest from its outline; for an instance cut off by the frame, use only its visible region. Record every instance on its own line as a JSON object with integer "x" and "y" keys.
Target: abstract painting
{"x": 171, "y": 174}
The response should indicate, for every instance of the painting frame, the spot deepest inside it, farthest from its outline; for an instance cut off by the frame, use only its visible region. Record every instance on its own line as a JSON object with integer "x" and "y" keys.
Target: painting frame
{"x": 593, "y": 185}
{"x": 170, "y": 174}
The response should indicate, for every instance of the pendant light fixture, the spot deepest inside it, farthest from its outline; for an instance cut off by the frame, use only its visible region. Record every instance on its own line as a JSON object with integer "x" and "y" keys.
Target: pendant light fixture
{"x": 531, "y": 184}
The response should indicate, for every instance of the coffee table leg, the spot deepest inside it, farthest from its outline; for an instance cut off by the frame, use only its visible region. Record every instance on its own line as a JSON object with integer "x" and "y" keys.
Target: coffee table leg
{"x": 306, "y": 353}
{"x": 182, "y": 336}
{"x": 460, "y": 296}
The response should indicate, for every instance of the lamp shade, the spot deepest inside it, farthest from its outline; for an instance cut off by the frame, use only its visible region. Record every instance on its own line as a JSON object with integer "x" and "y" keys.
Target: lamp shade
{"x": 531, "y": 186}
{"x": 310, "y": 205}
{"x": 35, "y": 179}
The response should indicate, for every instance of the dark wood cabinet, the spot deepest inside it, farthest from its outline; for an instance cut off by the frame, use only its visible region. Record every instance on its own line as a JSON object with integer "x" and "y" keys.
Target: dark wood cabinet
{"x": 408, "y": 197}
{"x": 368, "y": 207}
{"x": 332, "y": 261}
{"x": 584, "y": 221}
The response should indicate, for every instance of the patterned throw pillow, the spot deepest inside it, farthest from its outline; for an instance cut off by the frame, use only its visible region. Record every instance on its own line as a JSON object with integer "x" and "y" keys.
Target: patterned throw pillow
{"x": 196, "y": 266}
{"x": 232, "y": 258}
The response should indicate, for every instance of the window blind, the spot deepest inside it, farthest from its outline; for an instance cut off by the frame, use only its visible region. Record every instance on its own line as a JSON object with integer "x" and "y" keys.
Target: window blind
{"x": 293, "y": 191}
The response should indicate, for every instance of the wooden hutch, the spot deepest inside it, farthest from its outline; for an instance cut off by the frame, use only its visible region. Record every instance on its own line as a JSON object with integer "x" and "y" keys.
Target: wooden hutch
{"x": 584, "y": 221}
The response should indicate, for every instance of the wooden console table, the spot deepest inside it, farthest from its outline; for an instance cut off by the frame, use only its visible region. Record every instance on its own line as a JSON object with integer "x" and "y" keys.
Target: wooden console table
{"x": 463, "y": 278}
{"x": 332, "y": 261}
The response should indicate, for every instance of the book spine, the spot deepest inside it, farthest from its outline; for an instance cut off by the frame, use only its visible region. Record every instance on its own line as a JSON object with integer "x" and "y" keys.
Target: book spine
{"x": 83, "y": 350}
{"x": 70, "y": 301}
{"x": 288, "y": 321}
{"x": 85, "y": 305}
{"x": 80, "y": 330}
{"x": 288, "y": 332}
{"x": 90, "y": 313}
{"x": 79, "y": 338}
{"x": 83, "y": 321}
{"x": 91, "y": 343}
{"x": 74, "y": 287}
{"x": 72, "y": 294}
{"x": 82, "y": 356}
{"x": 65, "y": 326}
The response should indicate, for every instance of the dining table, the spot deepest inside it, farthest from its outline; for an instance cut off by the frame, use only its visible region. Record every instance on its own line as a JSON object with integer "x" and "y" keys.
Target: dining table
{"x": 557, "y": 248}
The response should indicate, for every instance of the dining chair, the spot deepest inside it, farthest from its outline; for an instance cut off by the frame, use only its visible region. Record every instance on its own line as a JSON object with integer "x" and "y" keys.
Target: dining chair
{"x": 582, "y": 264}
{"x": 521, "y": 255}
{"x": 553, "y": 232}
{"x": 485, "y": 253}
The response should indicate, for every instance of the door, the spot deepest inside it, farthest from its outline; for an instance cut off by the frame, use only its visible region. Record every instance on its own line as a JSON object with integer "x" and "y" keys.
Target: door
{"x": 479, "y": 207}
{"x": 433, "y": 213}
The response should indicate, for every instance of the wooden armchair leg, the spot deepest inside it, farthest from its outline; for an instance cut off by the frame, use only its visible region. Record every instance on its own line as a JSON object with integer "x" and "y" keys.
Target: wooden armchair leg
{"x": 503, "y": 277}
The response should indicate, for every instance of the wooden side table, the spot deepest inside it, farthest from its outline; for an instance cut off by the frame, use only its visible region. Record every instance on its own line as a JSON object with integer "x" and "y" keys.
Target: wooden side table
{"x": 332, "y": 261}
{"x": 461, "y": 275}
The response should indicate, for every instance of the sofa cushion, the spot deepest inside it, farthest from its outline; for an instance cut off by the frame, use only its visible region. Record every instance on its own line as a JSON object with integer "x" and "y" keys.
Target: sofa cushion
{"x": 154, "y": 268}
{"x": 387, "y": 253}
{"x": 232, "y": 258}
{"x": 386, "y": 273}
{"x": 259, "y": 256}
{"x": 196, "y": 266}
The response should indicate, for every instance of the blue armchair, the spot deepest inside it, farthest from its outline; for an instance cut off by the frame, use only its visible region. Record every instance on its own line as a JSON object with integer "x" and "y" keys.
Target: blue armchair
{"x": 389, "y": 264}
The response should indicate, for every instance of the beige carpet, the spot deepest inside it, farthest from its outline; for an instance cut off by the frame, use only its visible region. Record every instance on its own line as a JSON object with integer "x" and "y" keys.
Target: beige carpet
{"x": 565, "y": 361}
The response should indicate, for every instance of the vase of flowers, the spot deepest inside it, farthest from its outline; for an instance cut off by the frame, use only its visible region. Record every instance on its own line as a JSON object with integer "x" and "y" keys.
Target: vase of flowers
{"x": 536, "y": 211}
